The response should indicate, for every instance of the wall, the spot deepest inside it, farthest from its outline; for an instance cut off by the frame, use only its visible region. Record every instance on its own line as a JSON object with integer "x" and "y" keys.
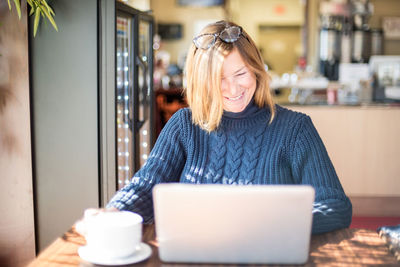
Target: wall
{"x": 167, "y": 11}
{"x": 143, "y": 5}
{"x": 17, "y": 238}
{"x": 280, "y": 47}
{"x": 250, "y": 14}
{"x": 276, "y": 28}
{"x": 65, "y": 97}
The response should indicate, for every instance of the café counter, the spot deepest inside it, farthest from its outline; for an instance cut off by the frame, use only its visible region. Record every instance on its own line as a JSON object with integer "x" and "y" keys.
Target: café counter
{"x": 363, "y": 142}
{"x": 355, "y": 247}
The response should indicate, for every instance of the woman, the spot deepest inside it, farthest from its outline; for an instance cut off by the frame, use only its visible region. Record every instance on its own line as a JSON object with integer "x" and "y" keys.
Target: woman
{"x": 233, "y": 133}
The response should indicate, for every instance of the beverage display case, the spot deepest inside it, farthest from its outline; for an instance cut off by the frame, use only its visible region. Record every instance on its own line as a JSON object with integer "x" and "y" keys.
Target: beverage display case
{"x": 134, "y": 90}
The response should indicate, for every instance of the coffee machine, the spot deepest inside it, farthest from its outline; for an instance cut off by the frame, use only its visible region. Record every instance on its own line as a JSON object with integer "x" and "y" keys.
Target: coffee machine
{"x": 329, "y": 52}
{"x": 345, "y": 36}
{"x": 361, "y": 49}
{"x": 333, "y": 19}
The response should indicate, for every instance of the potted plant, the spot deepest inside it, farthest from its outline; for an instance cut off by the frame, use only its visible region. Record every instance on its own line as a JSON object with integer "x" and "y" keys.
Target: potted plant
{"x": 38, "y": 9}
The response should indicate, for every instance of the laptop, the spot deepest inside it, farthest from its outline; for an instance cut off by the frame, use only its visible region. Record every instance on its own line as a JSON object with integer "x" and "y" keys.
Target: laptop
{"x": 210, "y": 223}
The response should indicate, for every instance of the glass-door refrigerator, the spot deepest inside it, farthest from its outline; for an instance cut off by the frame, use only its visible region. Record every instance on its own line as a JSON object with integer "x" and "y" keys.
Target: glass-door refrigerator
{"x": 134, "y": 90}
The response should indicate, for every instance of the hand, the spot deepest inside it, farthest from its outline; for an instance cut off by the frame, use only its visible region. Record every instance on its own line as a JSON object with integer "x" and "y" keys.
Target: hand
{"x": 81, "y": 226}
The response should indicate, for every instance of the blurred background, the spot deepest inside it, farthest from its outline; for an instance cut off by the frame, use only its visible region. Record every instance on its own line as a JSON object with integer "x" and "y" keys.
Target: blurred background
{"x": 81, "y": 107}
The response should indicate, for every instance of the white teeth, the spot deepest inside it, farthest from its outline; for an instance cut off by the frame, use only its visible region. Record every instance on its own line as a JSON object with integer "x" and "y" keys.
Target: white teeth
{"x": 235, "y": 98}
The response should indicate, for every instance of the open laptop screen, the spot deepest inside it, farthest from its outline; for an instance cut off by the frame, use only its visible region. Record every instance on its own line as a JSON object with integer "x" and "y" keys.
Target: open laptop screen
{"x": 233, "y": 224}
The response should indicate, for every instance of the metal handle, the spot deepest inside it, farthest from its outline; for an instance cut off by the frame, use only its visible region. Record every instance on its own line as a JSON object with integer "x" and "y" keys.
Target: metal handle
{"x": 145, "y": 92}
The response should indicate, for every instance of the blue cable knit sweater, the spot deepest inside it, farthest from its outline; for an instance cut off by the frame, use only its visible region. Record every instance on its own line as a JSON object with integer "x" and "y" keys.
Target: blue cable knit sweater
{"x": 244, "y": 150}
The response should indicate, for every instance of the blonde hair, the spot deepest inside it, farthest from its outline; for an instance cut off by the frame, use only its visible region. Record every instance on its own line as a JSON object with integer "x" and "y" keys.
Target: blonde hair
{"x": 204, "y": 74}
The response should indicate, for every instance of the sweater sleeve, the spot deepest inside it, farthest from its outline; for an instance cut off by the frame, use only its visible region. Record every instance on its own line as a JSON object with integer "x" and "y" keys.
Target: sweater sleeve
{"x": 164, "y": 164}
{"x": 311, "y": 165}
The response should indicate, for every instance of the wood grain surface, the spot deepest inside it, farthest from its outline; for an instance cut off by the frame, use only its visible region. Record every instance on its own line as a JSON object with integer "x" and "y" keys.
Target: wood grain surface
{"x": 346, "y": 247}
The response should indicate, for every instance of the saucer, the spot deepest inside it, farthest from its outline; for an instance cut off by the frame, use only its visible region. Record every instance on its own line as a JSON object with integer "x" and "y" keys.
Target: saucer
{"x": 142, "y": 253}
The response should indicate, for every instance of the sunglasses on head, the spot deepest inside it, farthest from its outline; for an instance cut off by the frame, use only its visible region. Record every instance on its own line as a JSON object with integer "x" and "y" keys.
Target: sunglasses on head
{"x": 228, "y": 35}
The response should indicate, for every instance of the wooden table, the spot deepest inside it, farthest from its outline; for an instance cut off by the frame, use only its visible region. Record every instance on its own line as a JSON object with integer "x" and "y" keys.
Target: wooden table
{"x": 354, "y": 247}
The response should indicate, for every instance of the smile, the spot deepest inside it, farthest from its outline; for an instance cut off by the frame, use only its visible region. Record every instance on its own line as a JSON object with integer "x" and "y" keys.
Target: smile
{"x": 235, "y": 98}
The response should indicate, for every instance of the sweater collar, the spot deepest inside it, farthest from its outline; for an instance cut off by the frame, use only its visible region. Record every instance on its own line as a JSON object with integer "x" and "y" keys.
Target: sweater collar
{"x": 252, "y": 115}
{"x": 250, "y": 109}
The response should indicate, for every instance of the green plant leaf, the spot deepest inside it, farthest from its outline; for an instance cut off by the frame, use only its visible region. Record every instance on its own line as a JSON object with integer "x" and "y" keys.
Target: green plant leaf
{"x": 49, "y": 17}
{"x": 39, "y": 8}
{"x": 53, "y": 22}
{"x": 49, "y": 9}
{"x": 18, "y": 7}
{"x": 36, "y": 22}
{"x": 31, "y": 5}
{"x": 34, "y": 6}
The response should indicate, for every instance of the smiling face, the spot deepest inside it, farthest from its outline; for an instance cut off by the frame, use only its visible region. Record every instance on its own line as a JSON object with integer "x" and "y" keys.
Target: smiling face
{"x": 238, "y": 83}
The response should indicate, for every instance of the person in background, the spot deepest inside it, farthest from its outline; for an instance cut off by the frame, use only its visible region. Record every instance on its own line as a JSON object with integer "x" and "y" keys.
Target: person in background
{"x": 233, "y": 133}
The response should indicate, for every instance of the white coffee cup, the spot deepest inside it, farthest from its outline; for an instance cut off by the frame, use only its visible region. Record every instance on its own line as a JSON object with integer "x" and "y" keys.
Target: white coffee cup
{"x": 114, "y": 234}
